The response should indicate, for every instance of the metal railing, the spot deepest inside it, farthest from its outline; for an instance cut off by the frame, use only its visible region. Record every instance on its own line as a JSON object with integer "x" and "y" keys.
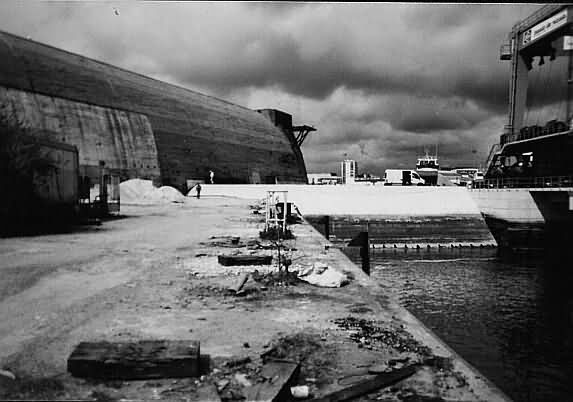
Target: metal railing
{"x": 526, "y": 133}
{"x": 525, "y": 182}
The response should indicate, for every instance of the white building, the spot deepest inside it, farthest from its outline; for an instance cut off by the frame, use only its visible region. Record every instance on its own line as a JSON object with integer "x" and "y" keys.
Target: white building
{"x": 348, "y": 169}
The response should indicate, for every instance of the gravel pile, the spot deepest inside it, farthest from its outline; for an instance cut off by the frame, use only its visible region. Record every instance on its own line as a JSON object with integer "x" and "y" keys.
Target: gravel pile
{"x": 143, "y": 192}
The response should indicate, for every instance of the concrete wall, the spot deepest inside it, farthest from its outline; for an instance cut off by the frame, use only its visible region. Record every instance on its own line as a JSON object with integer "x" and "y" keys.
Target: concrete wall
{"x": 193, "y": 133}
{"x": 124, "y": 140}
{"x": 360, "y": 199}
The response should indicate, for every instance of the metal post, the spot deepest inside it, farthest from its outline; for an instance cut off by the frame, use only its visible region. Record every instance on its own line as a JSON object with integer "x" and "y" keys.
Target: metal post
{"x": 284, "y": 212}
{"x": 569, "y": 83}
{"x": 365, "y": 252}
{"x": 327, "y": 227}
{"x": 267, "y": 212}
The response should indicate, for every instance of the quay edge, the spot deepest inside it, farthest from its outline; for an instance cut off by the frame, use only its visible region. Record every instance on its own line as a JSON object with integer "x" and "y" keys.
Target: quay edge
{"x": 484, "y": 389}
{"x": 128, "y": 292}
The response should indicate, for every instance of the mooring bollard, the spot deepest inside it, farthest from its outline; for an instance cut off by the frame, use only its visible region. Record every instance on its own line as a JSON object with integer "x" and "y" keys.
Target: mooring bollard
{"x": 363, "y": 241}
{"x": 326, "y": 221}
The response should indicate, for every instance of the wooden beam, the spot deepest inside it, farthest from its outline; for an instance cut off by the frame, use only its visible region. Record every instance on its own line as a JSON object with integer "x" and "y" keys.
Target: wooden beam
{"x": 370, "y": 385}
{"x": 279, "y": 376}
{"x": 135, "y": 361}
{"x": 229, "y": 260}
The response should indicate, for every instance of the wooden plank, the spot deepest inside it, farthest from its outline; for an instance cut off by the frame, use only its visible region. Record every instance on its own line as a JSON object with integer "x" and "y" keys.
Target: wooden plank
{"x": 370, "y": 385}
{"x": 135, "y": 361}
{"x": 279, "y": 375}
{"x": 229, "y": 260}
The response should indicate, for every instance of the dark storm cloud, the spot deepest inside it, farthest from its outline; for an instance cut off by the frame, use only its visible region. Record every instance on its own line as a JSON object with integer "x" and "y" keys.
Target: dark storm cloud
{"x": 433, "y": 51}
{"x": 380, "y": 81}
{"x": 307, "y": 50}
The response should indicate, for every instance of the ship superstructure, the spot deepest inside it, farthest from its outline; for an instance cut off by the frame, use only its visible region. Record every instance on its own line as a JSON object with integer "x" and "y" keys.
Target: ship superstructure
{"x": 427, "y": 167}
{"x": 528, "y": 188}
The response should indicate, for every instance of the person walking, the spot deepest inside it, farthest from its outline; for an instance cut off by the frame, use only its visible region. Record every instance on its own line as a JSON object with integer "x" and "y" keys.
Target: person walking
{"x": 212, "y": 176}
{"x": 198, "y": 189}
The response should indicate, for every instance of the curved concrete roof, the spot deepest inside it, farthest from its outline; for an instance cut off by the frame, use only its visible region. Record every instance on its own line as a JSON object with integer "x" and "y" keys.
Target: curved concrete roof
{"x": 194, "y": 133}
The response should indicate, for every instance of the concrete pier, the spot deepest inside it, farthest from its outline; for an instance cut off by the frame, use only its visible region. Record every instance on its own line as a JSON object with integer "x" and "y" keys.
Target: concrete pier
{"x": 154, "y": 275}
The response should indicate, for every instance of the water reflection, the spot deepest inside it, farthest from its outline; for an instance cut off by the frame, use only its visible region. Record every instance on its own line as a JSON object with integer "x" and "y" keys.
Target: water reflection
{"x": 510, "y": 315}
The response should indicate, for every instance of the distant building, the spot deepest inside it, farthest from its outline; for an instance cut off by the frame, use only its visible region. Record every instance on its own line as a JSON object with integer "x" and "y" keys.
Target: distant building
{"x": 348, "y": 169}
{"x": 324, "y": 178}
{"x": 367, "y": 178}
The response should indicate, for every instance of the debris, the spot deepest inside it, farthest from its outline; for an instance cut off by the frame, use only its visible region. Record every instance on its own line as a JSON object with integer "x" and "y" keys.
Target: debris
{"x": 242, "y": 380}
{"x": 300, "y": 391}
{"x": 324, "y": 277}
{"x": 276, "y": 232}
{"x": 296, "y": 347}
{"x": 7, "y": 374}
{"x": 222, "y": 384}
{"x": 380, "y": 334}
{"x": 240, "y": 361}
{"x": 364, "y": 387}
{"x": 225, "y": 241}
{"x": 378, "y": 368}
{"x": 228, "y": 260}
{"x": 134, "y": 361}
{"x": 279, "y": 376}
{"x": 241, "y": 282}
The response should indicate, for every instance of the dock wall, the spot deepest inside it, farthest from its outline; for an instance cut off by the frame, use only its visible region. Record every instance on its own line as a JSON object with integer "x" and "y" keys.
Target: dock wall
{"x": 359, "y": 200}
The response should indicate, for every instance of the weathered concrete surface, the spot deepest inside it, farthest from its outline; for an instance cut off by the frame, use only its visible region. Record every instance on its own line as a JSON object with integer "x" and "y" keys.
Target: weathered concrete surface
{"x": 124, "y": 140}
{"x": 154, "y": 275}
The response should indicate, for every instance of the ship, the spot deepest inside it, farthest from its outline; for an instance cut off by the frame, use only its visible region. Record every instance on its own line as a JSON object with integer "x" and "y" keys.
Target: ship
{"x": 140, "y": 127}
{"x": 427, "y": 167}
{"x": 526, "y": 197}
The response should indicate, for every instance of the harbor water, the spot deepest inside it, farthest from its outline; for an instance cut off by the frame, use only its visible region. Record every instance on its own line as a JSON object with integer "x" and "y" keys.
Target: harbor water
{"x": 509, "y": 315}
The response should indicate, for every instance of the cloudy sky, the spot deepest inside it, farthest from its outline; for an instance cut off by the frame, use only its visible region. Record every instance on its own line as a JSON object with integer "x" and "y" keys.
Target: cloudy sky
{"x": 381, "y": 82}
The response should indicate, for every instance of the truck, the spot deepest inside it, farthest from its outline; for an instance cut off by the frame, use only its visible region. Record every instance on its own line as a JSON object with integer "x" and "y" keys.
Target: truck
{"x": 402, "y": 177}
